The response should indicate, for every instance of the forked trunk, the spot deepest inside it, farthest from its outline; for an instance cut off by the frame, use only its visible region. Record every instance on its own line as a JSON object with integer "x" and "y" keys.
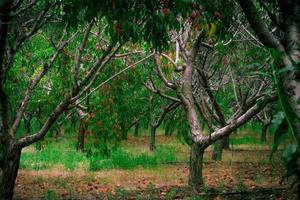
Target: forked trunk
{"x": 196, "y": 165}
{"x": 9, "y": 174}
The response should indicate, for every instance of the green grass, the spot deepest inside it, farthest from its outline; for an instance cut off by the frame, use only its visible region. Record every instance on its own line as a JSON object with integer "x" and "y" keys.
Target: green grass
{"x": 53, "y": 154}
{"x": 126, "y": 156}
{"x": 64, "y": 153}
{"x": 51, "y": 195}
{"x": 247, "y": 139}
{"x": 120, "y": 159}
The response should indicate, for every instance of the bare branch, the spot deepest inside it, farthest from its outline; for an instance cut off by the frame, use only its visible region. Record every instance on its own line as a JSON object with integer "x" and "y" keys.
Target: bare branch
{"x": 235, "y": 123}
{"x": 160, "y": 73}
{"x": 259, "y": 27}
{"x": 128, "y": 54}
{"x": 151, "y": 86}
{"x": 166, "y": 110}
{"x": 177, "y": 68}
{"x": 80, "y": 50}
{"x": 117, "y": 74}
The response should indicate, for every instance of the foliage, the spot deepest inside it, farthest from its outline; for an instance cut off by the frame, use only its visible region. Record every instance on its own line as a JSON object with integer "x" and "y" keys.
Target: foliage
{"x": 130, "y": 20}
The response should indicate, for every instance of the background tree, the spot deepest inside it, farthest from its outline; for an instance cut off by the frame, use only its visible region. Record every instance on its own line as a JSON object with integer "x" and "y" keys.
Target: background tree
{"x": 186, "y": 84}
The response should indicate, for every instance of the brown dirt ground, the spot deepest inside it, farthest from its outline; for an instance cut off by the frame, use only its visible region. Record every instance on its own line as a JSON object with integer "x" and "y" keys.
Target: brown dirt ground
{"x": 240, "y": 170}
{"x": 90, "y": 185}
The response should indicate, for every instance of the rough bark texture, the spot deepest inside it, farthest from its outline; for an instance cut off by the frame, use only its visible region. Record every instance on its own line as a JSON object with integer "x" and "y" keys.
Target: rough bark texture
{"x": 9, "y": 174}
{"x": 195, "y": 167}
{"x": 217, "y": 150}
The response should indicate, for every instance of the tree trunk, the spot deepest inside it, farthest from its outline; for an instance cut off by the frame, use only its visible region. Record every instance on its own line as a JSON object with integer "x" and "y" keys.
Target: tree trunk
{"x": 152, "y": 138}
{"x": 136, "y": 130}
{"x": 9, "y": 174}
{"x": 218, "y": 148}
{"x": 81, "y": 133}
{"x": 124, "y": 130}
{"x": 263, "y": 137}
{"x": 168, "y": 129}
{"x": 195, "y": 168}
{"x": 226, "y": 142}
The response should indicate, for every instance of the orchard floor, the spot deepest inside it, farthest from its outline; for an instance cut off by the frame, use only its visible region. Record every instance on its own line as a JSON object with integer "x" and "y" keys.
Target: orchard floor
{"x": 245, "y": 173}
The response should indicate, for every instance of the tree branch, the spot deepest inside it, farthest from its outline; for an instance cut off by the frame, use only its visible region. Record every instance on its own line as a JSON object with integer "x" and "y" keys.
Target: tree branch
{"x": 259, "y": 27}
{"x": 36, "y": 80}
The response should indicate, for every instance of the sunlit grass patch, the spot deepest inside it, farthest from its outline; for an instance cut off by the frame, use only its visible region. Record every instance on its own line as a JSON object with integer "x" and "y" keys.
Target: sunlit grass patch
{"x": 50, "y": 156}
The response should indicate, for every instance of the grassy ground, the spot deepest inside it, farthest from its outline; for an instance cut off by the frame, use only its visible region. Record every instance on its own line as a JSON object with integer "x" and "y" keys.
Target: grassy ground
{"x": 58, "y": 171}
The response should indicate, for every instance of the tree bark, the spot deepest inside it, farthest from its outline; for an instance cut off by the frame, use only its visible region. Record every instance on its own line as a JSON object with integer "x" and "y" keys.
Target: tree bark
{"x": 9, "y": 174}
{"x": 195, "y": 167}
{"x": 226, "y": 142}
{"x": 218, "y": 148}
{"x": 152, "y": 138}
{"x": 81, "y": 133}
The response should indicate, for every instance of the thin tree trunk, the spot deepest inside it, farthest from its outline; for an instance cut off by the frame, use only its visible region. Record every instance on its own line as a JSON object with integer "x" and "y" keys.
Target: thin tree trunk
{"x": 123, "y": 129}
{"x": 81, "y": 133}
{"x": 195, "y": 167}
{"x": 168, "y": 129}
{"x": 152, "y": 138}
{"x": 226, "y": 142}
{"x": 263, "y": 137}
{"x": 136, "y": 130}
{"x": 9, "y": 174}
{"x": 218, "y": 148}
{"x": 27, "y": 126}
